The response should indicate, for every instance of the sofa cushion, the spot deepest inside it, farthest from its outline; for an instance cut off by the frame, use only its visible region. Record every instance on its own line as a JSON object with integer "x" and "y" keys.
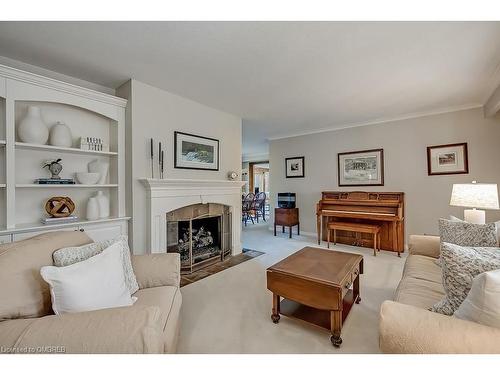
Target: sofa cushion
{"x": 169, "y": 300}
{"x": 23, "y": 293}
{"x": 422, "y": 267}
{"x": 119, "y": 330}
{"x": 418, "y": 292}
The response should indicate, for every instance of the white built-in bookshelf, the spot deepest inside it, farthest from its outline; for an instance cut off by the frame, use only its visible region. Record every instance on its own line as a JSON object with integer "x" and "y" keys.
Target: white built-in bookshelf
{"x": 87, "y": 113}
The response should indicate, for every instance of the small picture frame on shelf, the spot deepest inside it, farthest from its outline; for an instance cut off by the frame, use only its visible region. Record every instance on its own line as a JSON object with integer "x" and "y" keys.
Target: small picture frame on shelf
{"x": 294, "y": 167}
{"x": 447, "y": 159}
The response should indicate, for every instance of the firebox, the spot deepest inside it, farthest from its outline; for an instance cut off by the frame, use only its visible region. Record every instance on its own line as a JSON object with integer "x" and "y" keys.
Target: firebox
{"x": 200, "y": 233}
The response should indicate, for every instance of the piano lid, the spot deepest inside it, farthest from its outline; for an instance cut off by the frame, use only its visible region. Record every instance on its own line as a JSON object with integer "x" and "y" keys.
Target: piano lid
{"x": 363, "y": 196}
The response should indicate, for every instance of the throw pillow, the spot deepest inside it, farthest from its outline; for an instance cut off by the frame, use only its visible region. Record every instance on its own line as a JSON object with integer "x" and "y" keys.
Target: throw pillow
{"x": 482, "y": 304}
{"x": 497, "y": 223}
{"x": 466, "y": 234}
{"x": 459, "y": 232}
{"x": 93, "y": 284}
{"x": 71, "y": 255}
{"x": 460, "y": 265}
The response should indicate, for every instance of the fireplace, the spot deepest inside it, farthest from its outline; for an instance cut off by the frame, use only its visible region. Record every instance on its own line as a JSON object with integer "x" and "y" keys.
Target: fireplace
{"x": 166, "y": 199}
{"x": 200, "y": 233}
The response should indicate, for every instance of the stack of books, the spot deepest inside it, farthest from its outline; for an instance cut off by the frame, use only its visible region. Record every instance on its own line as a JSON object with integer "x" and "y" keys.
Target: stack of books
{"x": 59, "y": 220}
{"x": 55, "y": 181}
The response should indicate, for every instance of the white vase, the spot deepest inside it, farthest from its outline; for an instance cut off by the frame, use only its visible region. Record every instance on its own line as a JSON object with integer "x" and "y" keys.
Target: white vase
{"x": 92, "y": 209}
{"x": 100, "y": 167}
{"x": 60, "y": 135}
{"x": 32, "y": 129}
{"x": 103, "y": 203}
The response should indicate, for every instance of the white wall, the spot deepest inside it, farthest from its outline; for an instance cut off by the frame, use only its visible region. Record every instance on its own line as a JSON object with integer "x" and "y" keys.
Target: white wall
{"x": 155, "y": 113}
{"x": 404, "y": 143}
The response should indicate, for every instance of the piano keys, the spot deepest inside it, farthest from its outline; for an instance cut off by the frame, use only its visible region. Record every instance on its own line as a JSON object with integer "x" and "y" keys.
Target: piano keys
{"x": 383, "y": 208}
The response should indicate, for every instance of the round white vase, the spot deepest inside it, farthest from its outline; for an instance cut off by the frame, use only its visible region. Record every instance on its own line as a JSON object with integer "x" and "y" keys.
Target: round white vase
{"x": 92, "y": 209}
{"x": 100, "y": 167}
{"x": 103, "y": 203}
{"x": 32, "y": 129}
{"x": 60, "y": 135}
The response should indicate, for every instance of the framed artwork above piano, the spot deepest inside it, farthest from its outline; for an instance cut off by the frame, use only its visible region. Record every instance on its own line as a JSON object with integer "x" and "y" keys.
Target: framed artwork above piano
{"x": 385, "y": 209}
{"x": 361, "y": 168}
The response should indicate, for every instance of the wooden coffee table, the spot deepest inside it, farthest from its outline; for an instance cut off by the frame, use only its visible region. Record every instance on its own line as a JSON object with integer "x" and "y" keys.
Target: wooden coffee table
{"x": 316, "y": 286}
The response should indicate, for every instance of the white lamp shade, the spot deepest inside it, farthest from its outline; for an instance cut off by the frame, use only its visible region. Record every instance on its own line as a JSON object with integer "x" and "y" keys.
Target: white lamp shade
{"x": 482, "y": 196}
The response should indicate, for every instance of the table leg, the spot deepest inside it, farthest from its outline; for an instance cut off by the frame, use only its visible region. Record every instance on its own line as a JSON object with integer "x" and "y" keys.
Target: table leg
{"x": 335, "y": 236}
{"x": 328, "y": 231}
{"x": 375, "y": 244}
{"x": 298, "y": 229}
{"x": 282, "y": 229}
{"x": 290, "y": 231}
{"x": 275, "y": 316}
{"x": 355, "y": 290}
{"x": 274, "y": 230}
{"x": 336, "y": 327}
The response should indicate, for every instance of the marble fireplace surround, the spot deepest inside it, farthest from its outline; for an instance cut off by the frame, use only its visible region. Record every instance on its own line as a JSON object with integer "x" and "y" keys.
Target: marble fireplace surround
{"x": 170, "y": 194}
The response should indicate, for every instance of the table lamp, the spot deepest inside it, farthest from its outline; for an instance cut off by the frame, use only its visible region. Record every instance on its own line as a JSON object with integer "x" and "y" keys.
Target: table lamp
{"x": 477, "y": 197}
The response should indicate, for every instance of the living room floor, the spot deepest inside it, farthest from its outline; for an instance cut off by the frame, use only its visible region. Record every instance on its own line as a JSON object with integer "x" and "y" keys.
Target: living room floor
{"x": 229, "y": 312}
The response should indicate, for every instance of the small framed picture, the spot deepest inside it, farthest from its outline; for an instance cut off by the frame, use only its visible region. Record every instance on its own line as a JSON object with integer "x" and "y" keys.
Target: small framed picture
{"x": 447, "y": 159}
{"x": 195, "y": 152}
{"x": 294, "y": 167}
{"x": 361, "y": 168}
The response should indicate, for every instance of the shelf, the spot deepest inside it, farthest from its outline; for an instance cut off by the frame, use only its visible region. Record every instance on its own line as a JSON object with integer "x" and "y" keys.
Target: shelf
{"x": 38, "y": 226}
{"x": 33, "y": 146}
{"x": 3, "y": 186}
{"x": 62, "y": 186}
{"x": 2, "y": 142}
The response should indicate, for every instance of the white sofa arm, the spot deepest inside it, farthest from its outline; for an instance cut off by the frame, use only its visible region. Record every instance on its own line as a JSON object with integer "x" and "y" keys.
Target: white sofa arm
{"x": 157, "y": 270}
{"x": 409, "y": 330}
{"x": 424, "y": 245}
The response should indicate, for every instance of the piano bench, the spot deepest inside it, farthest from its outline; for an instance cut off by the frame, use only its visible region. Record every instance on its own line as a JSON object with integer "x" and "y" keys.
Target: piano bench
{"x": 355, "y": 227}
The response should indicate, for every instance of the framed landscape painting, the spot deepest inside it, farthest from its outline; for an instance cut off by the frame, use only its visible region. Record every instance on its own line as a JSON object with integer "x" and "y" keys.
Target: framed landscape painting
{"x": 361, "y": 168}
{"x": 195, "y": 152}
{"x": 294, "y": 167}
{"x": 447, "y": 159}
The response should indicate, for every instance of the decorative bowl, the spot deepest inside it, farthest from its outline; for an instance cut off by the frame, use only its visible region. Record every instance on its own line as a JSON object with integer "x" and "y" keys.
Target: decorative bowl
{"x": 88, "y": 178}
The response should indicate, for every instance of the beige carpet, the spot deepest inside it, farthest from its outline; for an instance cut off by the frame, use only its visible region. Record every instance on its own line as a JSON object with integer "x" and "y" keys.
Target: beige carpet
{"x": 229, "y": 312}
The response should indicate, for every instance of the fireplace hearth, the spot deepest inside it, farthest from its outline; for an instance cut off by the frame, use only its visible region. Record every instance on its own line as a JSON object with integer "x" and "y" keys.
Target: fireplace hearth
{"x": 200, "y": 233}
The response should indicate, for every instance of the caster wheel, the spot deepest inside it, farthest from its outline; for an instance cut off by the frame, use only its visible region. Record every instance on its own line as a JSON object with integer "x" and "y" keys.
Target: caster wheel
{"x": 275, "y": 318}
{"x": 358, "y": 299}
{"x": 336, "y": 341}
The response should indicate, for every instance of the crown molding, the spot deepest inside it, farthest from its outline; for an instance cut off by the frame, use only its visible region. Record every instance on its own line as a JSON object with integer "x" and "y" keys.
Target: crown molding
{"x": 408, "y": 116}
{"x": 54, "y": 84}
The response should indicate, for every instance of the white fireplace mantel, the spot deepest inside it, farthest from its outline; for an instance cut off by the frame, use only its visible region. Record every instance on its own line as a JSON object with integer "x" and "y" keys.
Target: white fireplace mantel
{"x": 165, "y": 195}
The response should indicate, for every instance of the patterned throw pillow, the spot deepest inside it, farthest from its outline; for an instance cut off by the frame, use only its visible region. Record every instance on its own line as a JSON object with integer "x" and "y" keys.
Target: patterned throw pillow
{"x": 462, "y": 233}
{"x": 460, "y": 265}
{"x": 70, "y": 255}
{"x": 466, "y": 234}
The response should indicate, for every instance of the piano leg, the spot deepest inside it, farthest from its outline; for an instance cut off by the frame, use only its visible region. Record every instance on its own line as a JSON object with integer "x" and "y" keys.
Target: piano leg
{"x": 318, "y": 227}
{"x": 395, "y": 245}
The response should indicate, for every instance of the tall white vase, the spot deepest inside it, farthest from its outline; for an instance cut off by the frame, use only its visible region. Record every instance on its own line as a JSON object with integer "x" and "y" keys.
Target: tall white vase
{"x": 100, "y": 167}
{"x": 32, "y": 129}
{"x": 103, "y": 203}
{"x": 92, "y": 209}
{"x": 60, "y": 135}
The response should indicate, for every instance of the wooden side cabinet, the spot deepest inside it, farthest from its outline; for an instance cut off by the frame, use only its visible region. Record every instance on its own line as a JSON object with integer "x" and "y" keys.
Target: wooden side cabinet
{"x": 286, "y": 217}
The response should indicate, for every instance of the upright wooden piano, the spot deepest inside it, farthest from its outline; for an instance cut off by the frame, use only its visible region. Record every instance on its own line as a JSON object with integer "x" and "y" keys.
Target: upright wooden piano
{"x": 382, "y": 208}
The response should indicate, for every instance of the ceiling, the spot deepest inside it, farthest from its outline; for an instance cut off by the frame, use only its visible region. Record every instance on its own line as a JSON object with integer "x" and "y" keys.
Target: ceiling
{"x": 282, "y": 78}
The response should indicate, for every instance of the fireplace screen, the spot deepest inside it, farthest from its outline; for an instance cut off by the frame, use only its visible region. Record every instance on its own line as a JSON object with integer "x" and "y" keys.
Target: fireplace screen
{"x": 200, "y": 233}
